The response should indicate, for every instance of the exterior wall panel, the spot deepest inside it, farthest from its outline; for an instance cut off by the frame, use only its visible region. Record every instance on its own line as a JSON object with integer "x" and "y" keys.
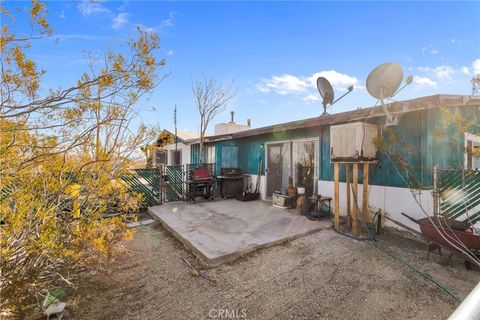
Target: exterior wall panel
{"x": 421, "y": 145}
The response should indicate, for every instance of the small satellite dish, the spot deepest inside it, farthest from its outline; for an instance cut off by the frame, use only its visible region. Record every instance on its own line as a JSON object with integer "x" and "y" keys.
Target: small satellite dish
{"x": 326, "y": 91}
{"x": 384, "y": 80}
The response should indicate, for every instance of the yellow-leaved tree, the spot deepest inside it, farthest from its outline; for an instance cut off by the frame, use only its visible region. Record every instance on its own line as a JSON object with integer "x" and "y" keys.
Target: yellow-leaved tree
{"x": 62, "y": 156}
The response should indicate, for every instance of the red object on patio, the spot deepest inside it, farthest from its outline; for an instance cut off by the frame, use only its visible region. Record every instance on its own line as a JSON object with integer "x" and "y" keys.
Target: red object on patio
{"x": 201, "y": 185}
{"x": 201, "y": 174}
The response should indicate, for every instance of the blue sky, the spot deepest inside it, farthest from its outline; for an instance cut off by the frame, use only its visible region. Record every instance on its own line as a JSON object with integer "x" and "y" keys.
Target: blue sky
{"x": 272, "y": 50}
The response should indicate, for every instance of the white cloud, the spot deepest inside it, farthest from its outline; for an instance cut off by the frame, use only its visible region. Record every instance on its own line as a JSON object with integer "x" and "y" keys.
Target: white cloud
{"x": 164, "y": 24}
{"x": 62, "y": 15}
{"x": 119, "y": 20}
{"x": 170, "y": 52}
{"x": 476, "y": 66}
{"x": 446, "y": 72}
{"x": 123, "y": 7}
{"x": 443, "y": 72}
{"x": 453, "y": 40}
{"x": 284, "y": 84}
{"x": 290, "y": 84}
{"x": 73, "y": 36}
{"x": 430, "y": 49}
{"x": 88, "y": 7}
{"x": 424, "y": 82}
{"x": 169, "y": 22}
{"x": 339, "y": 81}
{"x": 311, "y": 98}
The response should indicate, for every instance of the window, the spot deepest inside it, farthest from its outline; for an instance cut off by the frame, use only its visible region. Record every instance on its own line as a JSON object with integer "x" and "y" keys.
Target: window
{"x": 472, "y": 152}
{"x": 176, "y": 157}
{"x": 209, "y": 154}
{"x": 160, "y": 157}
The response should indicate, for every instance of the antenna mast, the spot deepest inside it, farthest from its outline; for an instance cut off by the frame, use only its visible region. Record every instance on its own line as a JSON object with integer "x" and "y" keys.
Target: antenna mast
{"x": 175, "y": 124}
{"x": 475, "y": 84}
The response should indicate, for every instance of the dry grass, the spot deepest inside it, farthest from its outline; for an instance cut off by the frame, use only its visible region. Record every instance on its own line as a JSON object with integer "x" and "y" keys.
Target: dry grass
{"x": 321, "y": 276}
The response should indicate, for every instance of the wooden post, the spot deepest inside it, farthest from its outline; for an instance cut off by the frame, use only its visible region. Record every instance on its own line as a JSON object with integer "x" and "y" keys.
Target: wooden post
{"x": 336, "y": 197}
{"x": 160, "y": 184}
{"x": 435, "y": 189}
{"x": 355, "y": 200}
{"x": 349, "y": 206}
{"x": 365, "y": 211}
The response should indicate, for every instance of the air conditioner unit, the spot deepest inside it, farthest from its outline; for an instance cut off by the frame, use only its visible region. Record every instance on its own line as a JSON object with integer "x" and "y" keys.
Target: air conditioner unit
{"x": 353, "y": 142}
{"x": 160, "y": 157}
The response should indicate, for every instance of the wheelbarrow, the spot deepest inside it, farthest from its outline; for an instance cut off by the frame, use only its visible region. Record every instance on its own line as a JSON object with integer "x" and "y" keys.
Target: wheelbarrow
{"x": 446, "y": 233}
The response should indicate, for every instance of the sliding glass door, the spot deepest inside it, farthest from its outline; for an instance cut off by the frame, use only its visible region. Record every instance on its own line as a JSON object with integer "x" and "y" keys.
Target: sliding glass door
{"x": 278, "y": 166}
{"x": 296, "y": 159}
{"x": 304, "y": 159}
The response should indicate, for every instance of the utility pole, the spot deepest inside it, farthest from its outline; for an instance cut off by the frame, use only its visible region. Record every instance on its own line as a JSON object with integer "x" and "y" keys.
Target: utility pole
{"x": 175, "y": 124}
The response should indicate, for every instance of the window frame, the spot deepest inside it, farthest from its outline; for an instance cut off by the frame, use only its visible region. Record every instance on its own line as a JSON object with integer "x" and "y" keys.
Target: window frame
{"x": 210, "y": 154}
{"x": 469, "y": 159}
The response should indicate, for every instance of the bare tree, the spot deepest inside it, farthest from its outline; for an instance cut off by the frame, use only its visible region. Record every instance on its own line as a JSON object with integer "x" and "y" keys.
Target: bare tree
{"x": 211, "y": 98}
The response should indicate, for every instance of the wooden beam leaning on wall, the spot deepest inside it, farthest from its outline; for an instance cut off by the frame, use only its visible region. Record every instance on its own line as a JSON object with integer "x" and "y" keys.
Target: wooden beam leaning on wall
{"x": 348, "y": 186}
{"x": 365, "y": 210}
{"x": 355, "y": 230}
{"x": 336, "y": 197}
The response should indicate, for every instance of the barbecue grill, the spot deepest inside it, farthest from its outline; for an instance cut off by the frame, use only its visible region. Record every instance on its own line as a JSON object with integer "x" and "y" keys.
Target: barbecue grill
{"x": 231, "y": 182}
{"x": 201, "y": 184}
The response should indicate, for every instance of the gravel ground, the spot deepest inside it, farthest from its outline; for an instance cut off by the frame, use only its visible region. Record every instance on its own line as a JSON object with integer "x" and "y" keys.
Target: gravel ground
{"x": 322, "y": 276}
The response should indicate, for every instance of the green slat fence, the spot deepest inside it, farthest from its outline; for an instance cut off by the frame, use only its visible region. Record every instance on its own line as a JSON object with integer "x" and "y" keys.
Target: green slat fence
{"x": 459, "y": 192}
{"x": 145, "y": 182}
{"x": 174, "y": 183}
{"x": 163, "y": 185}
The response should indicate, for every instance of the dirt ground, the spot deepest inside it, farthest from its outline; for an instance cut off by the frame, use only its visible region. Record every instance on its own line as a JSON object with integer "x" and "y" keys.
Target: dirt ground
{"x": 322, "y": 276}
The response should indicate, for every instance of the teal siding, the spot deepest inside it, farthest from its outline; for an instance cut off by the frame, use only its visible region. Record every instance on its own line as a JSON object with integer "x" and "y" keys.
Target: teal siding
{"x": 423, "y": 132}
{"x": 447, "y": 145}
{"x": 226, "y": 154}
{"x": 252, "y": 149}
{"x": 194, "y": 151}
{"x": 429, "y": 143}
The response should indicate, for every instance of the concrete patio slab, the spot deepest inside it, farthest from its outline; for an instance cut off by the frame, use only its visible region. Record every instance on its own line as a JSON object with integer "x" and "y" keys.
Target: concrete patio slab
{"x": 224, "y": 230}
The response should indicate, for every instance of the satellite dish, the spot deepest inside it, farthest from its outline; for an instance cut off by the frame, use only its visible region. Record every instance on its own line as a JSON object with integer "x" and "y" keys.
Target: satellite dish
{"x": 326, "y": 90}
{"x": 383, "y": 83}
{"x": 384, "y": 80}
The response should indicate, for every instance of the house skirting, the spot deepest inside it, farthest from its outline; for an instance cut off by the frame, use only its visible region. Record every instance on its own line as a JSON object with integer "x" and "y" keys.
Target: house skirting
{"x": 392, "y": 200}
